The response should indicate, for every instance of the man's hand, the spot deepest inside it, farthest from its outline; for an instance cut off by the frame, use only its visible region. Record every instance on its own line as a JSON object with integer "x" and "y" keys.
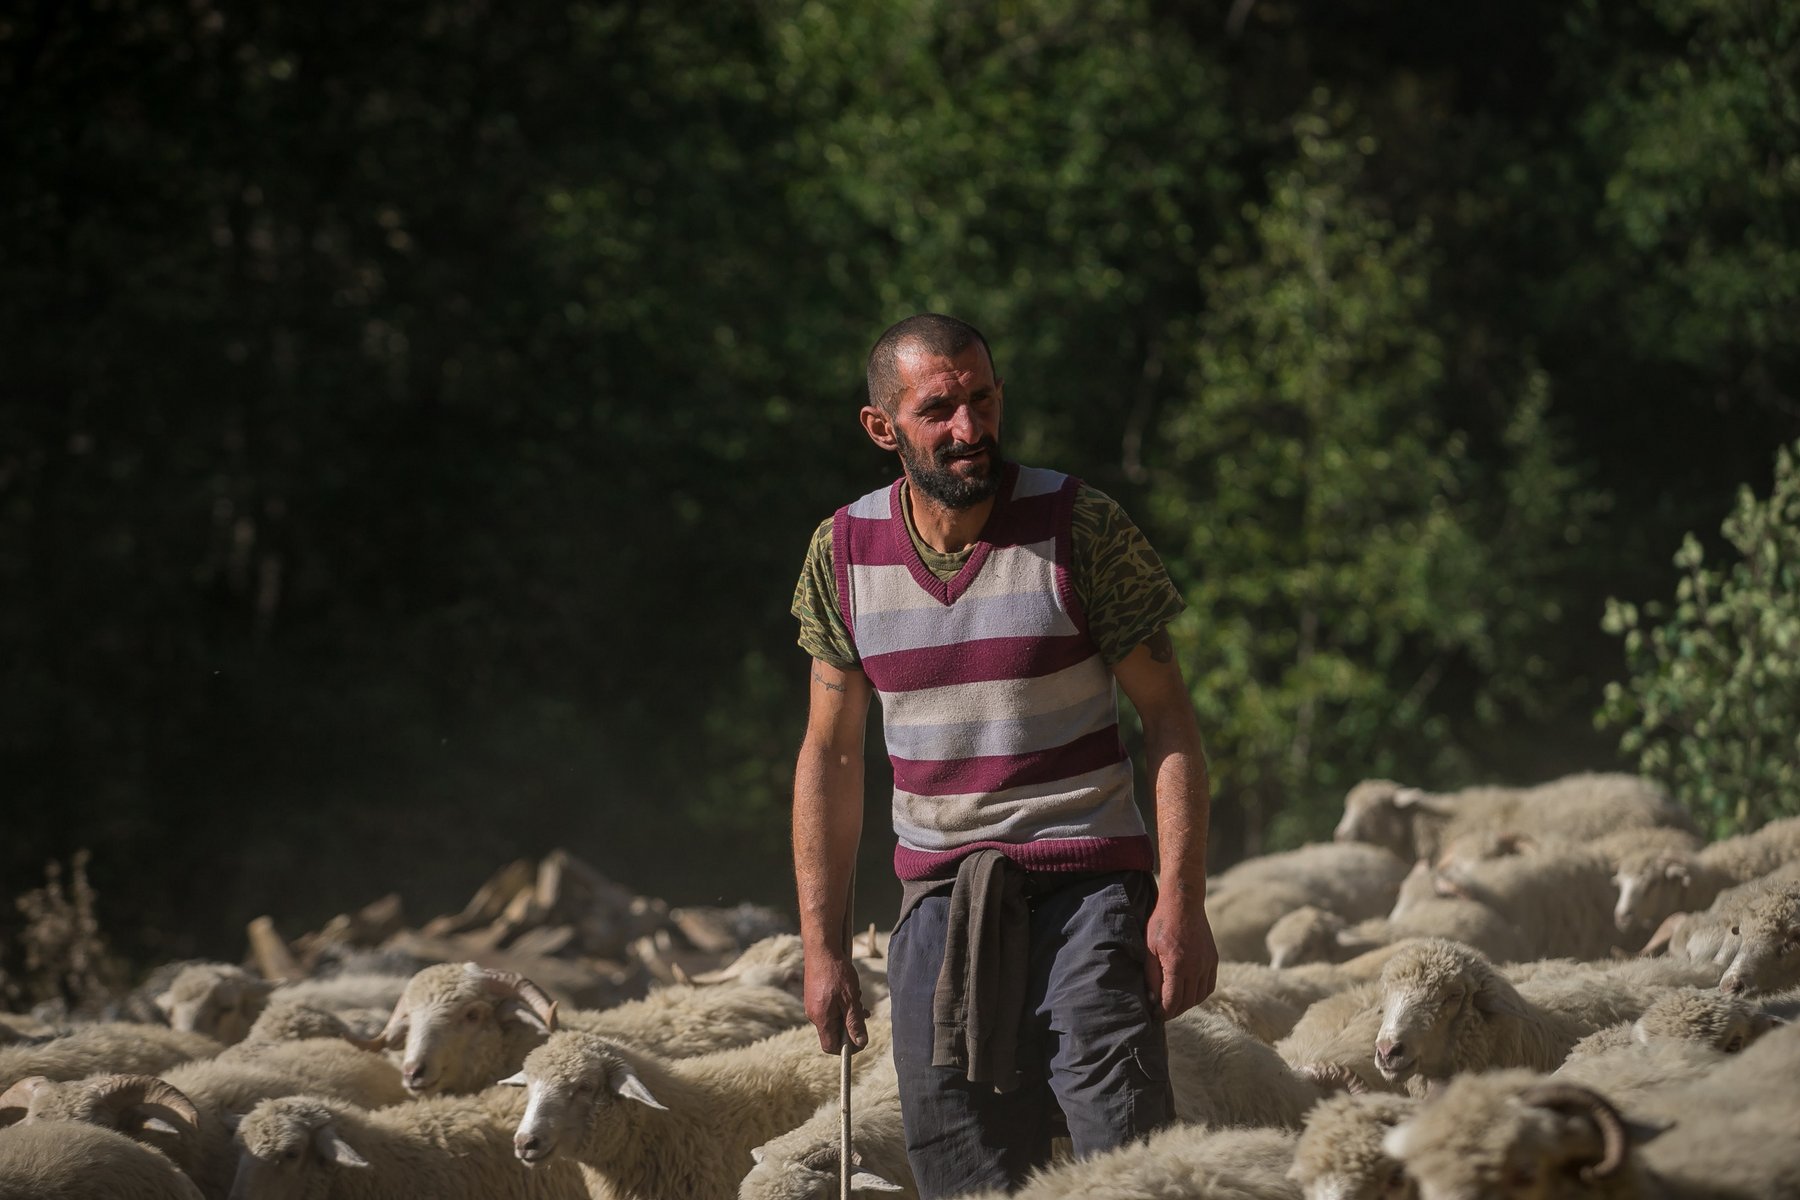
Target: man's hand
{"x": 1183, "y": 964}
{"x": 834, "y": 1002}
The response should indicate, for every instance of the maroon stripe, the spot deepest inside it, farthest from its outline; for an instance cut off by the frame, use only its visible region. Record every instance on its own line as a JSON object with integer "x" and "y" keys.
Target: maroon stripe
{"x": 993, "y": 773}
{"x": 1048, "y": 854}
{"x": 976, "y": 662}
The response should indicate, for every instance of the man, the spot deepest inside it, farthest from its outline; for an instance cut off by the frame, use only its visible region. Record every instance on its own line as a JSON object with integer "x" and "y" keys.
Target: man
{"x": 993, "y": 607}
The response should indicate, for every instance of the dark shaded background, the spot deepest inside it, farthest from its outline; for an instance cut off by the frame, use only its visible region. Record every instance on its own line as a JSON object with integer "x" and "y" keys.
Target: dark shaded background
{"x": 412, "y": 415}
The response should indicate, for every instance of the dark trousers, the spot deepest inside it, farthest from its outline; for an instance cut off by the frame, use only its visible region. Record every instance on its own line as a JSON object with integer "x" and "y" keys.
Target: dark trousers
{"x": 1089, "y": 1045}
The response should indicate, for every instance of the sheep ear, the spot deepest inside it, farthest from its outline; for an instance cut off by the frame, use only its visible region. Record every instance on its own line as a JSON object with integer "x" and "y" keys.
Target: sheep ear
{"x": 515, "y": 1080}
{"x": 757, "y": 1155}
{"x": 335, "y": 1149}
{"x": 626, "y": 1083}
{"x": 165, "y": 1004}
{"x": 1677, "y": 871}
{"x": 868, "y": 1181}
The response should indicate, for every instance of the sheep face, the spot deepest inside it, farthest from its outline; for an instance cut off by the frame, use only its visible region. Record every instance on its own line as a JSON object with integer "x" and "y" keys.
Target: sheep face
{"x": 1650, "y": 888}
{"x": 460, "y": 1031}
{"x": 1374, "y": 813}
{"x": 570, "y": 1081}
{"x": 1768, "y": 952}
{"x": 220, "y": 1001}
{"x": 1488, "y": 1137}
{"x": 815, "y": 1176}
{"x": 1421, "y": 1010}
{"x": 292, "y": 1149}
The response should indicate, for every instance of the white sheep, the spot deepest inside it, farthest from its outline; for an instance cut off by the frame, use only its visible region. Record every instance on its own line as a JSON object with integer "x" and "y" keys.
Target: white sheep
{"x": 1718, "y": 1020}
{"x": 1186, "y": 1161}
{"x": 1334, "y": 1041}
{"x": 1354, "y": 880}
{"x": 121, "y": 1046}
{"x": 1222, "y": 1075}
{"x": 1417, "y": 824}
{"x": 1559, "y": 899}
{"x": 642, "y": 1125}
{"x": 1768, "y": 943}
{"x": 224, "y": 1001}
{"x": 85, "y": 1162}
{"x": 1509, "y": 1135}
{"x": 780, "y": 961}
{"x": 208, "y": 1096}
{"x": 1265, "y": 1002}
{"x": 1312, "y": 935}
{"x": 440, "y": 1148}
{"x": 1446, "y": 1009}
{"x": 463, "y": 1026}
{"x": 803, "y": 1163}
{"x": 1655, "y": 883}
{"x": 287, "y": 1021}
{"x": 1339, "y": 1155}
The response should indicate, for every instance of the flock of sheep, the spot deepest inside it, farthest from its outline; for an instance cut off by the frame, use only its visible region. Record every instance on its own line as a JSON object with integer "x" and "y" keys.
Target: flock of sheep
{"x": 1515, "y": 993}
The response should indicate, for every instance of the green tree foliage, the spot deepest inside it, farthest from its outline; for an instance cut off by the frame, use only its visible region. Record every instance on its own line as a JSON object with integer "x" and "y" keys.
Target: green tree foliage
{"x": 1363, "y": 586}
{"x": 1712, "y": 702}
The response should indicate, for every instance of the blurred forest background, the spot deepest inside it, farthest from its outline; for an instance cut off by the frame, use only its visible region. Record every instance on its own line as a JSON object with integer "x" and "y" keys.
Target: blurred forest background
{"x": 413, "y": 414}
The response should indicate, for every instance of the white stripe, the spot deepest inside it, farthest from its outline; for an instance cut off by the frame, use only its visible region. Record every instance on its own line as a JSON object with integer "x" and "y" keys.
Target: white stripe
{"x": 1064, "y": 809}
{"x": 1021, "y": 698}
{"x": 979, "y": 737}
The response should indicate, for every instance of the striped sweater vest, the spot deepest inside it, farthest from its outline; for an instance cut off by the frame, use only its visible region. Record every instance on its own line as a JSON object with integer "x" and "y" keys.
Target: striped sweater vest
{"x": 1000, "y": 716}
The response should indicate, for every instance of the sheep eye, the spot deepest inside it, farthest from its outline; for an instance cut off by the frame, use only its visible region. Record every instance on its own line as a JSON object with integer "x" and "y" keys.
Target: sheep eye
{"x": 471, "y": 1015}
{"x": 1734, "y": 931}
{"x": 1734, "y": 1045}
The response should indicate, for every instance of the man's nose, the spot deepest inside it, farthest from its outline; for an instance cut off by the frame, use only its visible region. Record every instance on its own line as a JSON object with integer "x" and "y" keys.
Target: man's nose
{"x": 964, "y": 425}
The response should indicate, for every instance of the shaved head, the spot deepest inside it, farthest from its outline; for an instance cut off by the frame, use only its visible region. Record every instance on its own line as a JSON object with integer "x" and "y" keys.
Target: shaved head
{"x": 932, "y": 332}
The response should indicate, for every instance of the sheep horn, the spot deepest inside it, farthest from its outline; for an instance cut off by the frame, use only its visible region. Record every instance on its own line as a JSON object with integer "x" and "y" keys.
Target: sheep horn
{"x": 1580, "y": 1102}
{"x": 120, "y": 1092}
{"x": 513, "y": 986}
{"x": 15, "y": 1101}
{"x": 390, "y": 1035}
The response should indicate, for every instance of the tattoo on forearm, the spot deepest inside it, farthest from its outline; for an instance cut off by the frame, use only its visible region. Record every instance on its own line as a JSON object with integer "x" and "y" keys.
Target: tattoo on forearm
{"x": 826, "y": 683}
{"x": 1162, "y": 650}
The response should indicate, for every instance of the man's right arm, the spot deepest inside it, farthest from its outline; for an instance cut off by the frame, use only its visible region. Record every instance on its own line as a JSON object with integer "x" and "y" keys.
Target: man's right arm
{"x": 828, "y": 804}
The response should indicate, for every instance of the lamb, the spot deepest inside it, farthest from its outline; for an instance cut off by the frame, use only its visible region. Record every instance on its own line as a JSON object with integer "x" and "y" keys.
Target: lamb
{"x": 1339, "y": 1156}
{"x": 803, "y": 1163}
{"x": 443, "y": 1147}
{"x": 1188, "y": 1161}
{"x": 1653, "y": 884}
{"x": 80, "y": 1162}
{"x": 465, "y": 1026}
{"x": 1416, "y": 824}
{"x": 642, "y": 1125}
{"x": 1768, "y": 933}
{"x": 1721, "y": 1021}
{"x": 107, "y": 1046}
{"x": 1354, "y": 880}
{"x": 1446, "y": 1009}
{"x": 223, "y": 1001}
{"x": 1311, "y": 935}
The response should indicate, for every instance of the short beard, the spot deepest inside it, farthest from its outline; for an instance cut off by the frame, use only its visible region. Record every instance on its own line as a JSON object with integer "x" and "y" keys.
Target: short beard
{"x": 939, "y": 482}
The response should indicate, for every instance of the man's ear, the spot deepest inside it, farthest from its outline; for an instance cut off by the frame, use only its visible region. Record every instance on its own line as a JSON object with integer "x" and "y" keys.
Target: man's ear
{"x": 879, "y": 425}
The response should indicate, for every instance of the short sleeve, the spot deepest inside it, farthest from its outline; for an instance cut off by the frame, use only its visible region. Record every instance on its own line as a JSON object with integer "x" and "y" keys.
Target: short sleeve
{"x": 1121, "y": 583}
{"x": 823, "y": 634}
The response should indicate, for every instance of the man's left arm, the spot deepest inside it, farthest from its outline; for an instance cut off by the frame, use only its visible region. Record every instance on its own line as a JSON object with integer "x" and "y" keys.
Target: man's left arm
{"x": 1183, "y": 963}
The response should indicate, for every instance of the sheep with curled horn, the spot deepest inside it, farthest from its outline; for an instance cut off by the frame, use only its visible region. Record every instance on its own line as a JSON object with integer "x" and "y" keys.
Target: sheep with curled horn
{"x": 1415, "y": 824}
{"x": 1512, "y": 1135}
{"x": 85, "y": 1162}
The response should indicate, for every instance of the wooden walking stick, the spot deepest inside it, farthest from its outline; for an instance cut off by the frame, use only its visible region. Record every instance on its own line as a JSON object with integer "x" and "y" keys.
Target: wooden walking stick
{"x": 844, "y": 1167}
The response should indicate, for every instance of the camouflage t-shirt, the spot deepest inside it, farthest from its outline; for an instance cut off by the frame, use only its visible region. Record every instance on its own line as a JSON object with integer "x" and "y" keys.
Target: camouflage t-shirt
{"x": 1118, "y": 579}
